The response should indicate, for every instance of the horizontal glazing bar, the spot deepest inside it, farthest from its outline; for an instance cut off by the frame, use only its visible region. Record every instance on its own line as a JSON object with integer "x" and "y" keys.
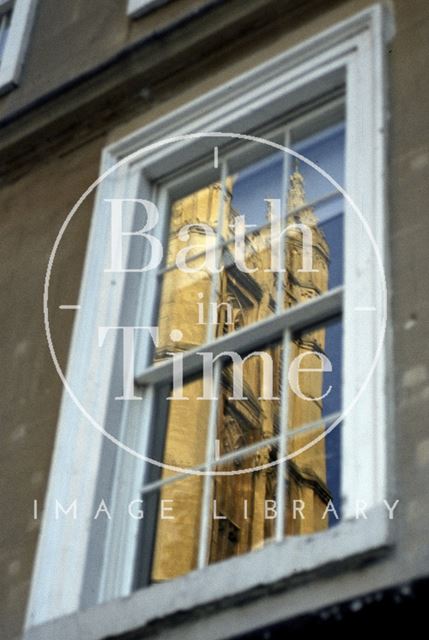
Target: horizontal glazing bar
{"x": 238, "y": 454}
{"x": 313, "y": 425}
{"x": 226, "y": 457}
{"x": 251, "y": 337}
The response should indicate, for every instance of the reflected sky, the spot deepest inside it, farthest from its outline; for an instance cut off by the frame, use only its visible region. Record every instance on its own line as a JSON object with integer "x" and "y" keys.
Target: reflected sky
{"x": 262, "y": 180}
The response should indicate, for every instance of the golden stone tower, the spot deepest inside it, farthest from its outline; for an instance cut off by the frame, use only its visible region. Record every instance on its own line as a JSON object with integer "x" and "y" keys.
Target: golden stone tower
{"x": 240, "y": 500}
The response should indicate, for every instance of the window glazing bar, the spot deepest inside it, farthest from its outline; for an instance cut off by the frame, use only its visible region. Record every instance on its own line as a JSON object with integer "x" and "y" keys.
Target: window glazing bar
{"x": 331, "y": 417}
{"x": 280, "y": 302}
{"x": 205, "y": 528}
{"x": 282, "y": 449}
{"x": 249, "y": 338}
{"x": 211, "y": 325}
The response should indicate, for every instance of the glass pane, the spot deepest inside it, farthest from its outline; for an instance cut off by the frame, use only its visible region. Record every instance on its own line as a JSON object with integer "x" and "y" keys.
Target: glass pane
{"x": 315, "y": 374}
{"x": 253, "y": 185}
{"x": 250, "y": 282}
{"x": 315, "y": 400}
{"x": 313, "y": 482}
{"x": 191, "y": 261}
{"x": 185, "y": 431}
{"x": 249, "y": 399}
{"x": 243, "y": 514}
{"x": 325, "y": 216}
{"x": 175, "y": 547}
{"x": 183, "y": 312}
{"x": 326, "y": 150}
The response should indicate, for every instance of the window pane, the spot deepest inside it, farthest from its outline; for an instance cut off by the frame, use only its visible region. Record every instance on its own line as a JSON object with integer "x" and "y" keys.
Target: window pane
{"x": 187, "y": 281}
{"x": 182, "y": 320}
{"x": 249, "y": 399}
{"x": 313, "y": 482}
{"x": 254, "y": 184}
{"x": 242, "y": 511}
{"x": 184, "y": 433}
{"x": 175, "y": 549}
{"x": 315, "y": 374}
{"x": 326, "y": 150}
{"x": 315, "y": 401}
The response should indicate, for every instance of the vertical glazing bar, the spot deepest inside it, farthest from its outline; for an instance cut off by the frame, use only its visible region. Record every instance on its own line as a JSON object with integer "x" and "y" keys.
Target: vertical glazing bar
{"x": 280, "y": 303}
{"x": 205, "y": 527}
{"x": 282, "y": 451}
{"x": 283, "y": 223}
{"x": 212, "y": 315}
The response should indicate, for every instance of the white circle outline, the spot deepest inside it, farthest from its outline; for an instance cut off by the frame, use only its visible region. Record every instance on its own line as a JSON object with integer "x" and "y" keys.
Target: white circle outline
{"x": 136, "y": 155}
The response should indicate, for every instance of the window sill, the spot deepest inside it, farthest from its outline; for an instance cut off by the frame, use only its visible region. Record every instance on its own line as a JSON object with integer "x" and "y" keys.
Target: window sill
{"x": 234, "y": 579}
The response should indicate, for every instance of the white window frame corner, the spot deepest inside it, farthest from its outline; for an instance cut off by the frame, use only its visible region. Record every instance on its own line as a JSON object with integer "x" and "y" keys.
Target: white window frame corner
{"x": 356, "y": 46}
{"x": 23, "y": 12}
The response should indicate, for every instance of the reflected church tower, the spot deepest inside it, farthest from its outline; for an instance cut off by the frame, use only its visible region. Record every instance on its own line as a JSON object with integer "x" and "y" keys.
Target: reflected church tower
{"x": 243, "y": 298}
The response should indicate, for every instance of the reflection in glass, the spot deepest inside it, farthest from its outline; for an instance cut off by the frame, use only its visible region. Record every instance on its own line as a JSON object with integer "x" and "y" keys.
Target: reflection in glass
{"x": 203, "y": 304}
{"x": 177, "y": 531}
{"x": 314, "y": 473}
{"x": 241, "y": 516}
{"x": 313, "y": 481}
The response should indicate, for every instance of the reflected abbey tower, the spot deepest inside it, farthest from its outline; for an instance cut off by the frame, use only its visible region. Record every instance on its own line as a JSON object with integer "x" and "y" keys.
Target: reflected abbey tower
{"x": 241, "y": 500}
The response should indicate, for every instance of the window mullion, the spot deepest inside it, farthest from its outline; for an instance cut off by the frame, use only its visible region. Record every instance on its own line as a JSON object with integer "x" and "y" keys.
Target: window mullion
{"x": 283, "y": 223}
{"x": 212, "y": 314}
{"x": 203, "y": 547}
{"x": 282, "y": 447}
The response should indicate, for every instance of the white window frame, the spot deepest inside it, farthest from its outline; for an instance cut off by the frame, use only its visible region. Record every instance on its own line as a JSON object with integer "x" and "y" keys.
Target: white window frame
{"x": 354, "y": 50}
{"x": 16, "y": 45}
{"x": 136, "y": 8}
